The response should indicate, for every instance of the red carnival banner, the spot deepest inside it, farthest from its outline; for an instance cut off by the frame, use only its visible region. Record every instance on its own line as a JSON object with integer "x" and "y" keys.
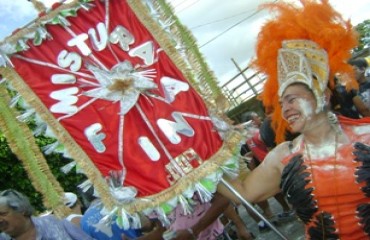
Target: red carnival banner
{"x": 108, "y": 82}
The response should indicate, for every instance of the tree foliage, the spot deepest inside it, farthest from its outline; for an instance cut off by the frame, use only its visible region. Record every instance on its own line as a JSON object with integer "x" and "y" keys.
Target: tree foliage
{"x": 14, "y": 176}
{"x": 364, "y": 35}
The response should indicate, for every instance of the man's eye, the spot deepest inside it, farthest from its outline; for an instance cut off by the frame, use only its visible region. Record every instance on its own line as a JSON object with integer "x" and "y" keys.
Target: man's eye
{"x": 291, "y": 100}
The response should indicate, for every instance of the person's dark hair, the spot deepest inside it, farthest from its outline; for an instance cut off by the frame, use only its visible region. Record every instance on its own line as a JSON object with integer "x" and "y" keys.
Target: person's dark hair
{"x": 16, "y": 201}
{"x": 361, "y": 63}
{"x": 267, "y": 133}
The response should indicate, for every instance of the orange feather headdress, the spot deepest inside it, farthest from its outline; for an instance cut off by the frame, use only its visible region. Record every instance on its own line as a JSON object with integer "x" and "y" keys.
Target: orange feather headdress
{"x": 316, "y": 21}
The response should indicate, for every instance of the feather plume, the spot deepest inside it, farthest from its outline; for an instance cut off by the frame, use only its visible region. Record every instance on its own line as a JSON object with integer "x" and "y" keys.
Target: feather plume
{"x": 314, "y": 20}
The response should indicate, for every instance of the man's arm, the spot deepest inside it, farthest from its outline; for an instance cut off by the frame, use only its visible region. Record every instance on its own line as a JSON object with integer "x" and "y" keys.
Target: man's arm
{"x": 263, "y": 182}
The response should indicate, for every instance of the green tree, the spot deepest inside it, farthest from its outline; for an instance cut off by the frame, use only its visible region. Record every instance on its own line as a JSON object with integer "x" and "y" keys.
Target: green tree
{"x": 13, "y": 175}
{"x": 364, "y": 35}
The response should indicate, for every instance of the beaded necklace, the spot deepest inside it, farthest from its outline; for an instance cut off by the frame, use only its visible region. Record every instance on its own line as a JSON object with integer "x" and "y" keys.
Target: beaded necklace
{"x": 308, "y": 157}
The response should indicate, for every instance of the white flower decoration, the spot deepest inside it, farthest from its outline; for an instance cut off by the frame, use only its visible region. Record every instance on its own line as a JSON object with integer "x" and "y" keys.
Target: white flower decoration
{"x": 122, "y": 83}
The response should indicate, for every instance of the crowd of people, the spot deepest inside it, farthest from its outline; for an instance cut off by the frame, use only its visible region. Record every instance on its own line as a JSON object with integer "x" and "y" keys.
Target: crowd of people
{"x": 17, "y": 221}
{"x": 311, "y": 152}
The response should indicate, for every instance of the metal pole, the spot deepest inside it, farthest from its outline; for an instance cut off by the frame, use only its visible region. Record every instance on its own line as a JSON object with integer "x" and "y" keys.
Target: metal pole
{"x": 250, "y": 206}
{"x": 245, "y": 77}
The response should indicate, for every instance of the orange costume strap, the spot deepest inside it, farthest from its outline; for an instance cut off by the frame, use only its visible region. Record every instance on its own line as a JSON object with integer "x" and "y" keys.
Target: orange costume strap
{"x": 350, "y": 121}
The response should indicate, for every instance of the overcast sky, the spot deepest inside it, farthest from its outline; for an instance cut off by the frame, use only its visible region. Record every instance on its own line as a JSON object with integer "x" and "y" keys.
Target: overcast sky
{"x": 239, "y": 41}
{"x": 223, "y": 29}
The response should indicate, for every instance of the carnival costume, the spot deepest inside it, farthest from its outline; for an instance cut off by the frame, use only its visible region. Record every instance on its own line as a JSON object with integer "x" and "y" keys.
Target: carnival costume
{"x": 330, "y": 189}
{"x": 331, "y": 194}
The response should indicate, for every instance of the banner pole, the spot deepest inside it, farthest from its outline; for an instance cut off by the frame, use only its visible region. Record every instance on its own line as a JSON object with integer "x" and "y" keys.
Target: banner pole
{"x": 250, "y": 206}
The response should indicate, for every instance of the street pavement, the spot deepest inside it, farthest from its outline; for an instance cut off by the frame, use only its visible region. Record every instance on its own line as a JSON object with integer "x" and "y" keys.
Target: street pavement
{"x": 292, "y": 229}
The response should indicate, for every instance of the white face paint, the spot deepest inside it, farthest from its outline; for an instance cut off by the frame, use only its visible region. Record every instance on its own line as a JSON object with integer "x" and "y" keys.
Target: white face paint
{"x": 305, "y": 108}
{"x": 298, "y": 108}
{"x": 305, "y": 111}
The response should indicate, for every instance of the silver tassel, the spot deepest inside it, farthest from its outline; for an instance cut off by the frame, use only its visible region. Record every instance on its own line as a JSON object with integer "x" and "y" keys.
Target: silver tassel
{"x": 125, "y": 219}
{"x": 2, "y": 80}
{"x": 14, "y": 100}
{"x": 85, "y": 186}
{"x": 186, "y": 207}
{"x": 22, "y": 45}
{"x": 48, "y": 149}
{"x": 63, "y": 21}
{"x": 108, "y": 218}
{"x": 40, "y": 129}
{"x": 204, "y": 194}
{"x": 68, "y": 167}
{"x": 27, "y": 115}
{"x": 136, "y": 223}
{"x": 5, "y": 61}
{"x": 162, "y": 216}
{"x": 231, "y": 167}
{"x": 66, "y": 154}
{"x": 49, "y": 132}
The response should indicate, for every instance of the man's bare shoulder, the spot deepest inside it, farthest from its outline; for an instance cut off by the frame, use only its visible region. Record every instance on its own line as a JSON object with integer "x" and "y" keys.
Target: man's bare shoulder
{"x": 275, "y": 157}
{"x": 279, "y": 152}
